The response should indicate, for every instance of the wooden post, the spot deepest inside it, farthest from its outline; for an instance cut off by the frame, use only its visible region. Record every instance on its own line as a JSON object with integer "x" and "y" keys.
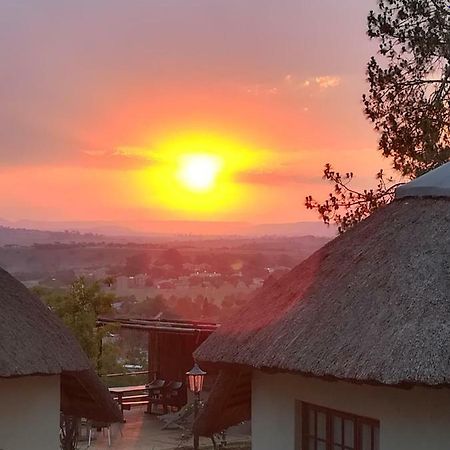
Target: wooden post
{"x": 99, "y": 356}
{"x": 196, "y": 407}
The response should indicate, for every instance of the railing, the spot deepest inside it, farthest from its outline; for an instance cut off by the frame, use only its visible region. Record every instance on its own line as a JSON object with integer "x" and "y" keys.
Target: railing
{"x": 121, "y": 374}
{"x": 127, "y": 378}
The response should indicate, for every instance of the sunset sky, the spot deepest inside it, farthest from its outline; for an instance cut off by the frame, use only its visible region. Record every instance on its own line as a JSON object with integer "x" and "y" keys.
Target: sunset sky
{"x": 132, "y": 111}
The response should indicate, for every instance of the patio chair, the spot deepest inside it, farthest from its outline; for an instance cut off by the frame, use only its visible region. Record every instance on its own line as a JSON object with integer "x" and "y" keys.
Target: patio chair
{"x": 100, "y": 426}
{"x": 182, "y": 419}
{"x": 175, "y": 395}
{"x": 155, "y": 393}
{"x": 155, "y": 385}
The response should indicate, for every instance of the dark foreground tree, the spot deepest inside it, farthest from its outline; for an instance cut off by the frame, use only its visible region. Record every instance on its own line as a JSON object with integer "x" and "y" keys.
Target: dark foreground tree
{"x": 408, "y": 103}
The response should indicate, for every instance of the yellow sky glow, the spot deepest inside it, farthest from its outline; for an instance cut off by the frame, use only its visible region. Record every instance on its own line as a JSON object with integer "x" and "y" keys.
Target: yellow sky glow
{"x": 195, "y": 173}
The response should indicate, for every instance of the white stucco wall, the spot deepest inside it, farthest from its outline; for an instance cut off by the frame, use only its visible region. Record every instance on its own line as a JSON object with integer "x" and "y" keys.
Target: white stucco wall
{"x": 415, "y": 419}
{"x": 29, "y": 413}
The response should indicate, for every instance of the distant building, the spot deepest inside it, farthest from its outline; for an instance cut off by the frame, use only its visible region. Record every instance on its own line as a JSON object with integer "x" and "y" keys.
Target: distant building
{"x": 96, "y": 274}
{"x": 121, "y": 283}
{"x": 350, "y": 350}
{"x": 166, "y": 284}
{"x": 140, "y": 280}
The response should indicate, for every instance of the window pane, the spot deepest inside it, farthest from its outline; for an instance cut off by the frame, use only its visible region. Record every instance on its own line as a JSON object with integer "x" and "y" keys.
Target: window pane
{"x": 321, "y": 425}
{"x": 337, "y": 430}
{"x": 376, "y": 438}
{"x": 366, "y": 437}
{"x": 349, "y": 434}
{"x": 327, "y": 429}
{"x": 312, "y": 422}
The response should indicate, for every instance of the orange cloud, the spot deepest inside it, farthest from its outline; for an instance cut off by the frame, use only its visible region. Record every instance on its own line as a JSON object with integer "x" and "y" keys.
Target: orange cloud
{"x": 328, "y": 81}
{"x": 292, "y": 84}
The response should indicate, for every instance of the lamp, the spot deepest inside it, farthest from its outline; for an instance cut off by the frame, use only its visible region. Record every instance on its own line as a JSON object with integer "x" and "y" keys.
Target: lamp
{"x": 195, "y": 377}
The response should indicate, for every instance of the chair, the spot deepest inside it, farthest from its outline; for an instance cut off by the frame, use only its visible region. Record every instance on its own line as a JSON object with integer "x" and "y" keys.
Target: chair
{"x": 100, "y": 426}
{"x": 182, "y": 419}
{"x": 155, "y": 393}
{"x": 174, "y": 395}
{"x": 156, "y": 385}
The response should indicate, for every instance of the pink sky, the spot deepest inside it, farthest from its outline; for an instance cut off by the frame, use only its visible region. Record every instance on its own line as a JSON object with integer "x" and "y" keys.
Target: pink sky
{"x": 83, "y": 80}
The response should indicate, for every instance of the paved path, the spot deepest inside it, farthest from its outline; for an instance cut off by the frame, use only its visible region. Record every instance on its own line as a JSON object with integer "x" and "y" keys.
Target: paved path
{"x": 143, "y": 432}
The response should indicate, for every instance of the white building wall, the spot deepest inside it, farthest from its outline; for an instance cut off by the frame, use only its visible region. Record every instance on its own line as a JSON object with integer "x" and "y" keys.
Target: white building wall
{"x": 29, "y": 413}
{"x": 414, "y": 419}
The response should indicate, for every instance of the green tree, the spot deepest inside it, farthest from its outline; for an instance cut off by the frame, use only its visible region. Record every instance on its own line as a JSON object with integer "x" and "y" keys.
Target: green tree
{"x": 408, "y": 102}
{"x": 137, "y": 263}
{"x": 109, "y": 281}
{"x": 79, "y": 308}
{"x": 173, "y": 258}
{"x": 151, "y": 307}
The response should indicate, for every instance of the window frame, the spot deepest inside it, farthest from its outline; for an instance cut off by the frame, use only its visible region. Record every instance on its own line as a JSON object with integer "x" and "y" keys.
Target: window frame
{"x": 303, "y": 410}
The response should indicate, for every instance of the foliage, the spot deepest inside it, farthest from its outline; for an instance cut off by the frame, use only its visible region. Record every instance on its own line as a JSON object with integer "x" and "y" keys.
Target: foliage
{"x": 172, "y": 257}
{"x": 408, "y": 103}
{"x": 109, "y": 281}
{"x": 408, "y": 99}
{"x": 150, "y": 308}
{"x": 355, "y": 205}
{"x": 79, "y": 308}
{"x": 137, "y": 263}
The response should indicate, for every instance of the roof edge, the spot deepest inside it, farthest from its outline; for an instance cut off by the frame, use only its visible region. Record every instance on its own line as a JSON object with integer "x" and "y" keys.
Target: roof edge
{"x": 404, "y": 384}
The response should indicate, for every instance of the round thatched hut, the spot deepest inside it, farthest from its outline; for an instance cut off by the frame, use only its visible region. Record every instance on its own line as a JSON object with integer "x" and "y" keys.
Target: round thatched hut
{"x": 350, "y": 350}
{"x": 42, "y": 371}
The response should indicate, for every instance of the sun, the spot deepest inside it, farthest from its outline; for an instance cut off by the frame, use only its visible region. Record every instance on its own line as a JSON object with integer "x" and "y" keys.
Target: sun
{"x": 198, "y": 172}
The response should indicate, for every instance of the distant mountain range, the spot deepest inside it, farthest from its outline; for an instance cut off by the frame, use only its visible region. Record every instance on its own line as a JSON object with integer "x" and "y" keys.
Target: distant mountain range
{"x": 27, "y": 232}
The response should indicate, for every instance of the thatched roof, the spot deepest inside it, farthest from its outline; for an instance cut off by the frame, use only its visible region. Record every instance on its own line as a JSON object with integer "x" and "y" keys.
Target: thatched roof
{"x": 84, "y": 395}
{"x": 229, "y": 409}
{"x": 33, "y": 341}
{"x": 373, "y": 305}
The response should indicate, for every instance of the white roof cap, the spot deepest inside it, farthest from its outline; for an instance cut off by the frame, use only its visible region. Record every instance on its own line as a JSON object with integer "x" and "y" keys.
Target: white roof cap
{"x": 435, "y": 183}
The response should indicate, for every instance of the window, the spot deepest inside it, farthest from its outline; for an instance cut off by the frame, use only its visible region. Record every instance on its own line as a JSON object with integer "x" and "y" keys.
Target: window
{"x": 327, "y": 429}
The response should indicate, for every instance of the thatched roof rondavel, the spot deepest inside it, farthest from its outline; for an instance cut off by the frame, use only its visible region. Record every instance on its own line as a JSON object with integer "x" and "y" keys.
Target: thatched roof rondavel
{"x": 33, "y": 341}
{"x": 373, "y": 305}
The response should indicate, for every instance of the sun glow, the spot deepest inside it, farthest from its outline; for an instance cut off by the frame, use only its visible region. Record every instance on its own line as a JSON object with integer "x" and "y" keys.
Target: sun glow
{"x": 197, "y": 173}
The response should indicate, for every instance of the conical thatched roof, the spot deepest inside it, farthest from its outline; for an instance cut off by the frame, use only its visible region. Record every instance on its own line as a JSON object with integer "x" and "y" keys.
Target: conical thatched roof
{"x": 435, "y": 183}
{"x": 33, "y": 341}
{"x": 373, "y": 305}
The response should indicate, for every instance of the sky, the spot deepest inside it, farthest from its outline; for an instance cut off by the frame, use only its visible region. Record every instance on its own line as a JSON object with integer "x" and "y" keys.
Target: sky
{"x": 162, "y": 110}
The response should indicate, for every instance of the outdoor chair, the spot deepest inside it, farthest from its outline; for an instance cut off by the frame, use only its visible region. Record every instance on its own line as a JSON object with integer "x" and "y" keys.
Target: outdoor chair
{"x": 182, "y": 419}
{"x": 174, "y": 395}
{"x": 156, "y": 385}
{"x": 155, "y": 393}
{"x": 100, "y": 426}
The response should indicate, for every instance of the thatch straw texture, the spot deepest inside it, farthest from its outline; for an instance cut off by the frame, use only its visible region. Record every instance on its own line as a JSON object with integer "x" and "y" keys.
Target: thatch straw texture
{"x": 228, "y": 404}
{"x": 33, "y": 341}
{"x": 84, "y": 395}
{"x": 373, "y": 305}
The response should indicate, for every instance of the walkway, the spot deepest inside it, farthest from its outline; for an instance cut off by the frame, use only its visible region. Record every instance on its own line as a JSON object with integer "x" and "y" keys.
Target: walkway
{"x": 143, "y": 432}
